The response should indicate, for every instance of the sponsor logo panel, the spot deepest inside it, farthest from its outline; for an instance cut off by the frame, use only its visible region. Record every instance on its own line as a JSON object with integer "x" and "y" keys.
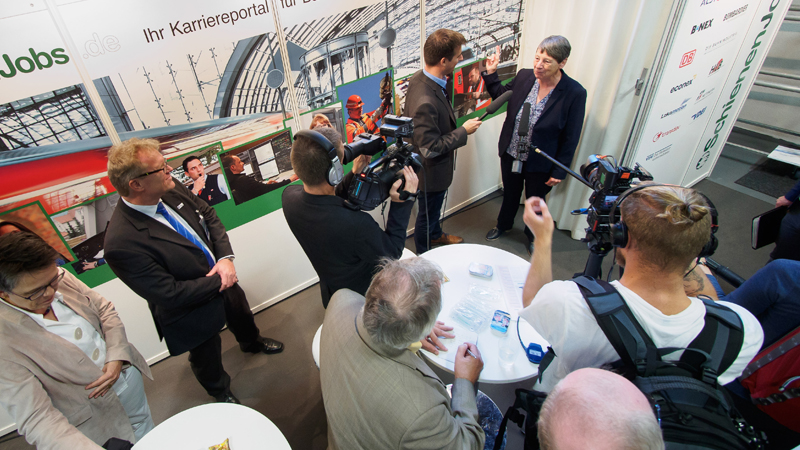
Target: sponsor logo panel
{"x": 698, "y": 113}
{"x": 715, "y": 67}
{"x": 703, "y": 95}
{"x": 703, "y": 26}
{"x": 684, "y": 104}
{"x": 687, "y": 58}
{"x": 720, "y": 43}
{"x": 734, "y": 13}
{"x": 661, "y": 134}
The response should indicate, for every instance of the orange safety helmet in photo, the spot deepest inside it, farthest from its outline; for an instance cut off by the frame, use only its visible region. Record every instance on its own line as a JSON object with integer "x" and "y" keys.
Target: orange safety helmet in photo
{"x": 354, "y": 102}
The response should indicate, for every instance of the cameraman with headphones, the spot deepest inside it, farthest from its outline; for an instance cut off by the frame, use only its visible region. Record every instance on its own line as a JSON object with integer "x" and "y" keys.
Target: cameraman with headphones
{"x": 662, "y": 229}
{"x": 344, "y": 245}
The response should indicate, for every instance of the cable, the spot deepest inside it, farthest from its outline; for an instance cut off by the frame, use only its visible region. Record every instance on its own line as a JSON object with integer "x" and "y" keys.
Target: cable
{"x": 444, "y": 208}
{"x": 519, "y": 336}
{"x": 485, "y": 200}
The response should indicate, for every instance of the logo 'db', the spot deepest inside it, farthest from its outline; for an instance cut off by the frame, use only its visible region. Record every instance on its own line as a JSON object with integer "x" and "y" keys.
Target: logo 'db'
{"x": 687, "y": 58}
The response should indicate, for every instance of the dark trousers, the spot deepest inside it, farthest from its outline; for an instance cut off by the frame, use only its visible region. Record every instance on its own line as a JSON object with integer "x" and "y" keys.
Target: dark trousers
{"x": 238, "y": 315}
{"x": 427, "y": 227}
{"x": 206, "y": 358}
{"x": 772, "y": 296}
{"x": 787, "y": 246}
{"x": 535, "y": 186}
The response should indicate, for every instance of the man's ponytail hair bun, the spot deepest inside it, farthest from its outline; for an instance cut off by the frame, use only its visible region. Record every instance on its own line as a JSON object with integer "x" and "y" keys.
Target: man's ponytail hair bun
{"x": 684, "y": 213}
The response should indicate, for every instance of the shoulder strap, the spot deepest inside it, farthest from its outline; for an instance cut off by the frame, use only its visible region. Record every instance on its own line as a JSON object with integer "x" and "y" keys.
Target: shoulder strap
{"x": 623, "y": 331}
{"x": 719, "y": 342}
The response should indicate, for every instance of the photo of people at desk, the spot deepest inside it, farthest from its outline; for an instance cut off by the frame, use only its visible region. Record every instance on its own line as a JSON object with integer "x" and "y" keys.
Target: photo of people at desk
{"x": 259, "y": 167}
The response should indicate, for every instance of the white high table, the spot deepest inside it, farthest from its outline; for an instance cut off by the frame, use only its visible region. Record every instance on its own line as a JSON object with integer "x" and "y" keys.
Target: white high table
{"x": 206, "y": 425}
{"x": 454, "y": 261}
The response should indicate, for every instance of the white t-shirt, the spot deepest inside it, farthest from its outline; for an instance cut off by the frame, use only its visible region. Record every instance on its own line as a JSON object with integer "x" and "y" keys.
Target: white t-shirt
{"x": 561, "y": 315}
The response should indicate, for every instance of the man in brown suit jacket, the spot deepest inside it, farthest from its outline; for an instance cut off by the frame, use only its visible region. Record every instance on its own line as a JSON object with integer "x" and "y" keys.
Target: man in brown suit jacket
{"x": 436, "y": 136}
{"x": 68, "y": 375}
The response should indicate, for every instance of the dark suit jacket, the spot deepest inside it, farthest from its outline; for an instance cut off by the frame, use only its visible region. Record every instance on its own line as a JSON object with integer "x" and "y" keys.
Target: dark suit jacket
{"x": 435, "y": 133}
{"x": 211, "y": 193}
{"x": 246, "y": 188}
{"x": 168, "y": 271}
{"x": 344, "y": 246}
{"x": 559, "y": 127}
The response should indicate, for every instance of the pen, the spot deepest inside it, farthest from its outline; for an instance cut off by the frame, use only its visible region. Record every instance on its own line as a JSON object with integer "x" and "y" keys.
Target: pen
{"x": 471, "y": 354}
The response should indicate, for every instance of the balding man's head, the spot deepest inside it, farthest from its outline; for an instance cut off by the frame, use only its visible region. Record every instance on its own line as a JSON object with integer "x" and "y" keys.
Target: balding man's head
{"x": 598, "y": 409}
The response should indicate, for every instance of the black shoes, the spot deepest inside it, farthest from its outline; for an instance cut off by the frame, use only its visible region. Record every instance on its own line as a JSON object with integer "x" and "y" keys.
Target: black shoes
{"x": 263, "y": 345}
{"x": 227, "y": 397}
{"x": 494, "y": 234}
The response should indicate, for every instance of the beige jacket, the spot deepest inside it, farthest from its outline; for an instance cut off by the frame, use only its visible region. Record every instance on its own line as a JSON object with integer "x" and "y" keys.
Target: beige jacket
{"x": 376, "y": 400}
{"x": 43, "y": 377}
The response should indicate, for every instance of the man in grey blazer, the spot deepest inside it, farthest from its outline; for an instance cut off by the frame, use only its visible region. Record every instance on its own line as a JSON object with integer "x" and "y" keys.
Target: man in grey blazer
{"x": 378, "y": 393}
{"x": 436, "y": 136}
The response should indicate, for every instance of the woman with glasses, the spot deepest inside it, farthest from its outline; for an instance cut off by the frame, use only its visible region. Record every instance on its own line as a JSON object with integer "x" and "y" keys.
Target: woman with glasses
{"x": 68, "y": 375}
{"x": 8, "y": 226}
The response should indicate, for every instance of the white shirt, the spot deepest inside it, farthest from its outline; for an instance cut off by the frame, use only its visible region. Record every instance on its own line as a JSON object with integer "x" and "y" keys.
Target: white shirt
{"x": 561, "y": 315}
{"x": 76, "y": 330}
{"x": 150, "y": 211}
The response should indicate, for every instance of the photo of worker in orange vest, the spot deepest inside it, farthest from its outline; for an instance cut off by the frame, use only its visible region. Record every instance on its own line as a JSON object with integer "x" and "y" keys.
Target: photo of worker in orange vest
{"x": 470, "y": 93}
{"x": 359, "y": 122}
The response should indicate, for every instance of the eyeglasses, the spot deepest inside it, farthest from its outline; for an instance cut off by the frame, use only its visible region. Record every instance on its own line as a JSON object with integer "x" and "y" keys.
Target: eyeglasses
{"x": 163, "y": 169}
{"x": 39, "y": 293}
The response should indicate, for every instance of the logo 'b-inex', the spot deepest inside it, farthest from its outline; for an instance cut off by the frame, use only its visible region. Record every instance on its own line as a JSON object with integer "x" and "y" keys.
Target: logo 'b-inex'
{"x": 37, "y": 60}
{"x": 702, "y": 26}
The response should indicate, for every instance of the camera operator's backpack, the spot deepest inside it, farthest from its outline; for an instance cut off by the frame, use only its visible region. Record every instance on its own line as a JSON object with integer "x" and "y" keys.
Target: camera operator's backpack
{"x": 773, "y": 380}
{"x": 693, "y": 410}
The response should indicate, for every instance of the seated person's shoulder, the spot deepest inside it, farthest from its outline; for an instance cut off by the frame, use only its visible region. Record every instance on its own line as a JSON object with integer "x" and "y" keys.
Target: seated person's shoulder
{"x": 344, "y": 301}
{"x": 753, "y": 333}
{"x": 558, "y": 307}
{"x": 557, "y": 292}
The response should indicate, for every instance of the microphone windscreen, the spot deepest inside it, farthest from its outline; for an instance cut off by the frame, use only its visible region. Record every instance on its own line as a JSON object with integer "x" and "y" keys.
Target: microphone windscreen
{"x": 498, "y": 102}
{"x": 525, "y": 120}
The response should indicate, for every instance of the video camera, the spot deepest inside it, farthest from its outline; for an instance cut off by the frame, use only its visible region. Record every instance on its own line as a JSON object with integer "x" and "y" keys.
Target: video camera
{"x": 608, "y": 181}
{"x": 371, "y": 187}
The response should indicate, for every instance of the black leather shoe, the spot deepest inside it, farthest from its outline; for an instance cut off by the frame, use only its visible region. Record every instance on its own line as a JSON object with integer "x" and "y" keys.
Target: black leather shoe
{"x": 263, "y": 345}
{"x": 227, "y": 397}
{"x": 494, "y": 234}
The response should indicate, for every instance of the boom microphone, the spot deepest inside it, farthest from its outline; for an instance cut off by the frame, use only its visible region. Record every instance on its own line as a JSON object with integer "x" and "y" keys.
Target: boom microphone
{"x": 496, "y": 104}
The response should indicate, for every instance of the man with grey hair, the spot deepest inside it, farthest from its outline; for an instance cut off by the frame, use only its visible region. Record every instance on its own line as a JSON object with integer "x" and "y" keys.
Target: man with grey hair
{"x": 598, "y": 409}
{"x": 170, "y": 248}
{"x": 378, "y": 393}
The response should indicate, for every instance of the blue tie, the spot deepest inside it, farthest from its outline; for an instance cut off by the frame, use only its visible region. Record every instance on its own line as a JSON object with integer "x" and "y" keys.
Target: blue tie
{"x": 184, "y": 232}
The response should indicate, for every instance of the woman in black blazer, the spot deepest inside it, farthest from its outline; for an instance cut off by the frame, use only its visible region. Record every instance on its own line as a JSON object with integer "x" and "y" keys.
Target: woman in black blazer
{"x": 557, "y": 107}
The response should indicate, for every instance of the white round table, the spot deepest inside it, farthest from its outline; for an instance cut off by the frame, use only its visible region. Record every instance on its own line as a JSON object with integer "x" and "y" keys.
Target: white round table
{"x": 207, "y": 425}
{"x": 454, "y": 261}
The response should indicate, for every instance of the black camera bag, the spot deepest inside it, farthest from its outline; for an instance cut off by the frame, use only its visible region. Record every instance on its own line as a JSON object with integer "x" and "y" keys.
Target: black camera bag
{"x": 694, "y": 411}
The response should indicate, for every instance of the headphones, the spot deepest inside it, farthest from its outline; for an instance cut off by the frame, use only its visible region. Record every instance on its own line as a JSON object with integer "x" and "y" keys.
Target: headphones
{"x": 619, "y": 231}
{"x": 335, "y": 173}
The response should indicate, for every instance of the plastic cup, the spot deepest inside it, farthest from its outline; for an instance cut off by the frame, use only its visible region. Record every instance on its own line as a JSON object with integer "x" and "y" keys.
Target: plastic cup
{"x": 506, "y": 353}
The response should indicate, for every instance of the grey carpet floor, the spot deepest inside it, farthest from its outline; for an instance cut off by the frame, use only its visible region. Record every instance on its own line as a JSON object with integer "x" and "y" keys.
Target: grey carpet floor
{"x": 286, "y": 387}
